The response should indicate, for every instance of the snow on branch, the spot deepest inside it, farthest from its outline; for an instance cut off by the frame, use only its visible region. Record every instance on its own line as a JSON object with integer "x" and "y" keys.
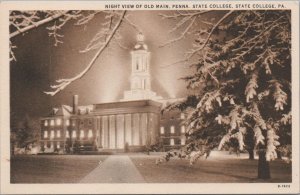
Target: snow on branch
{"x": 62, "y": 83}
{"x": 24, "y": 23}
{"x": 193, "y": 52}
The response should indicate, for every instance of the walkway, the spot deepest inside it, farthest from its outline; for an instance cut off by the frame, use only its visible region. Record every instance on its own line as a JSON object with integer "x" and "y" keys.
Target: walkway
{"x": 115, "y": 169}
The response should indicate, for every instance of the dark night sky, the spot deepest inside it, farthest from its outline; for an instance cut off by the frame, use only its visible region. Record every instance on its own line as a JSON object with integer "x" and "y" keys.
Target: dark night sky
{"x": 40, "y": 63}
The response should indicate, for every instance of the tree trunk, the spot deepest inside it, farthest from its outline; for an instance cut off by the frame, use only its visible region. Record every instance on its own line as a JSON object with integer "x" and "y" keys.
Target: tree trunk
{"x": 263, "y": 166}
{"x": 279, "y": 156}
{"x": 251, "y": 154}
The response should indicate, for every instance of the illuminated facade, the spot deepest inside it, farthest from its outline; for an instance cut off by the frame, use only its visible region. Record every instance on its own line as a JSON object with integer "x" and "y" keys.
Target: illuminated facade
{"x": 132, "y": 124}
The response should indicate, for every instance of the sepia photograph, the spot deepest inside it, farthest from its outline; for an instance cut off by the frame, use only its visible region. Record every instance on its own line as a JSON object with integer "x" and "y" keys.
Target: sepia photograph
{"x": 160, "y": 93}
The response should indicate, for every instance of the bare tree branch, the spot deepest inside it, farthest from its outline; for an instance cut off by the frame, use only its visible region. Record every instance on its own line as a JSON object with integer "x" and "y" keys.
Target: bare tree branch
{"x": 62, "y": 83}
{"x": 36, "y": 24}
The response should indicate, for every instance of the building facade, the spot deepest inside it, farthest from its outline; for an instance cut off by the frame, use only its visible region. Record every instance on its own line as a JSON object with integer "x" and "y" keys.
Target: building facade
{"x": 131, "y": 124}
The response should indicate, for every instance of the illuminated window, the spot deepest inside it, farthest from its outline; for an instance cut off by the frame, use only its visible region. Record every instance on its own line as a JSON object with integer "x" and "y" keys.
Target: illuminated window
{"x": 46, "y": 123}
{"x": 67, "y": 122}
{"x": 58, "y": 121}
{"x": 73, "y": 123}
{"x": 45, "y": 134}
{"x": 67, "y": 134}
{"x": 182, "y": 141}
{"x": 73, "y": 134}
{"x": 162, "y": 130}
{"x": 58, "y": 145}
{"x": 172, "y": 129}
{"x": 81, "y": 134}
{"x": 52, "y": 134}
{"x": 52, "y": 145}
{"x": 90, "y": 134}
{"x": 182, "y": 116}
{"x": 58, "y": 133}
{"x": 52, "y": 123}
{"x": 182, "y": 129}
{"x": 172, "y": 142}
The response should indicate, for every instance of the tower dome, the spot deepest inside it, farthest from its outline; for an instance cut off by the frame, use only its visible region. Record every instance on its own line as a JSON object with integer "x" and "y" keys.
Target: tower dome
{"x": 140, "y": 45}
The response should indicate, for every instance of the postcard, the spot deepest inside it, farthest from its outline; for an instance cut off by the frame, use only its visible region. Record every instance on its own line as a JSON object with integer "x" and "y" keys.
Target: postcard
{"x": 151, "y": 97}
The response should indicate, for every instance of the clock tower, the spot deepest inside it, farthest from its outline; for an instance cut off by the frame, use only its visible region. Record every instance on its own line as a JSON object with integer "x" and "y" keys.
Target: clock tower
{"x": 140, "y": 79}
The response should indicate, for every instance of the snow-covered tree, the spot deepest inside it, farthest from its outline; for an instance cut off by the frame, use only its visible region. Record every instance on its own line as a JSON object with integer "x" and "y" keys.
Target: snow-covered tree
{"x": 242, "y": 79}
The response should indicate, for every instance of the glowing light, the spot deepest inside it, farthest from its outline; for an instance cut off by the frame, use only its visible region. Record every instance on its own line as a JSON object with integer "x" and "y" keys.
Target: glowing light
{"x": 58, "y": 133}
{"x": 172, "y": 129}
{"x": 58, "y": 121}
{"x": 52, "y": 134}
{"x": 46, "y": 123}
{"x": 81, "y": 134}
{"x": 73, "y": 134}
{"x": 182, "y": 141}
{"x": 45, "y": 134}
{"x": 182, "y": 129}
{"x": 67, "y": 122}
{"x": 90, "y": 134}
{"x": 172, "y": 143}
{"x": 162, "y": 130}
{"x": 67, "y": 134}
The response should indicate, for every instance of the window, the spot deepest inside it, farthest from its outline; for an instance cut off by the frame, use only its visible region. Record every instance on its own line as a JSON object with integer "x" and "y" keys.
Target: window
{"x": 182, "y": 129}
{"x": 182, "y": 116}
{"x": 58, "y": 121}
{"x": 90, "y": 122}
{"x": 45, "y": 134}
{"x": 52, "y": 145}
{"x": 52, "y": 134}
{"x": 46, "y": 123}
{"x": 182, "y": 141}
{"x": 67, "y": 134}
{"x": 58, "y": 133}
{"x": 67, "y": 122}
{"x": 73, "y": 134}
{"x": 52, "y": 123}
{"x": 90, "y": 134}
{"x": 81, "y": 134}
{"x": 162, "y": 130}
{"x": 58, "y": 145}
{"x": 73, "y": 123}
{"x": 172, "y": 129}
{"x": 172, "y": 142}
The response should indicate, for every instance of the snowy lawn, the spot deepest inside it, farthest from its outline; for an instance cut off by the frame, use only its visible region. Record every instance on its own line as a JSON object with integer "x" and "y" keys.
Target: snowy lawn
{"x": 52, "y": 168}
{"x": 217, "y": 168}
